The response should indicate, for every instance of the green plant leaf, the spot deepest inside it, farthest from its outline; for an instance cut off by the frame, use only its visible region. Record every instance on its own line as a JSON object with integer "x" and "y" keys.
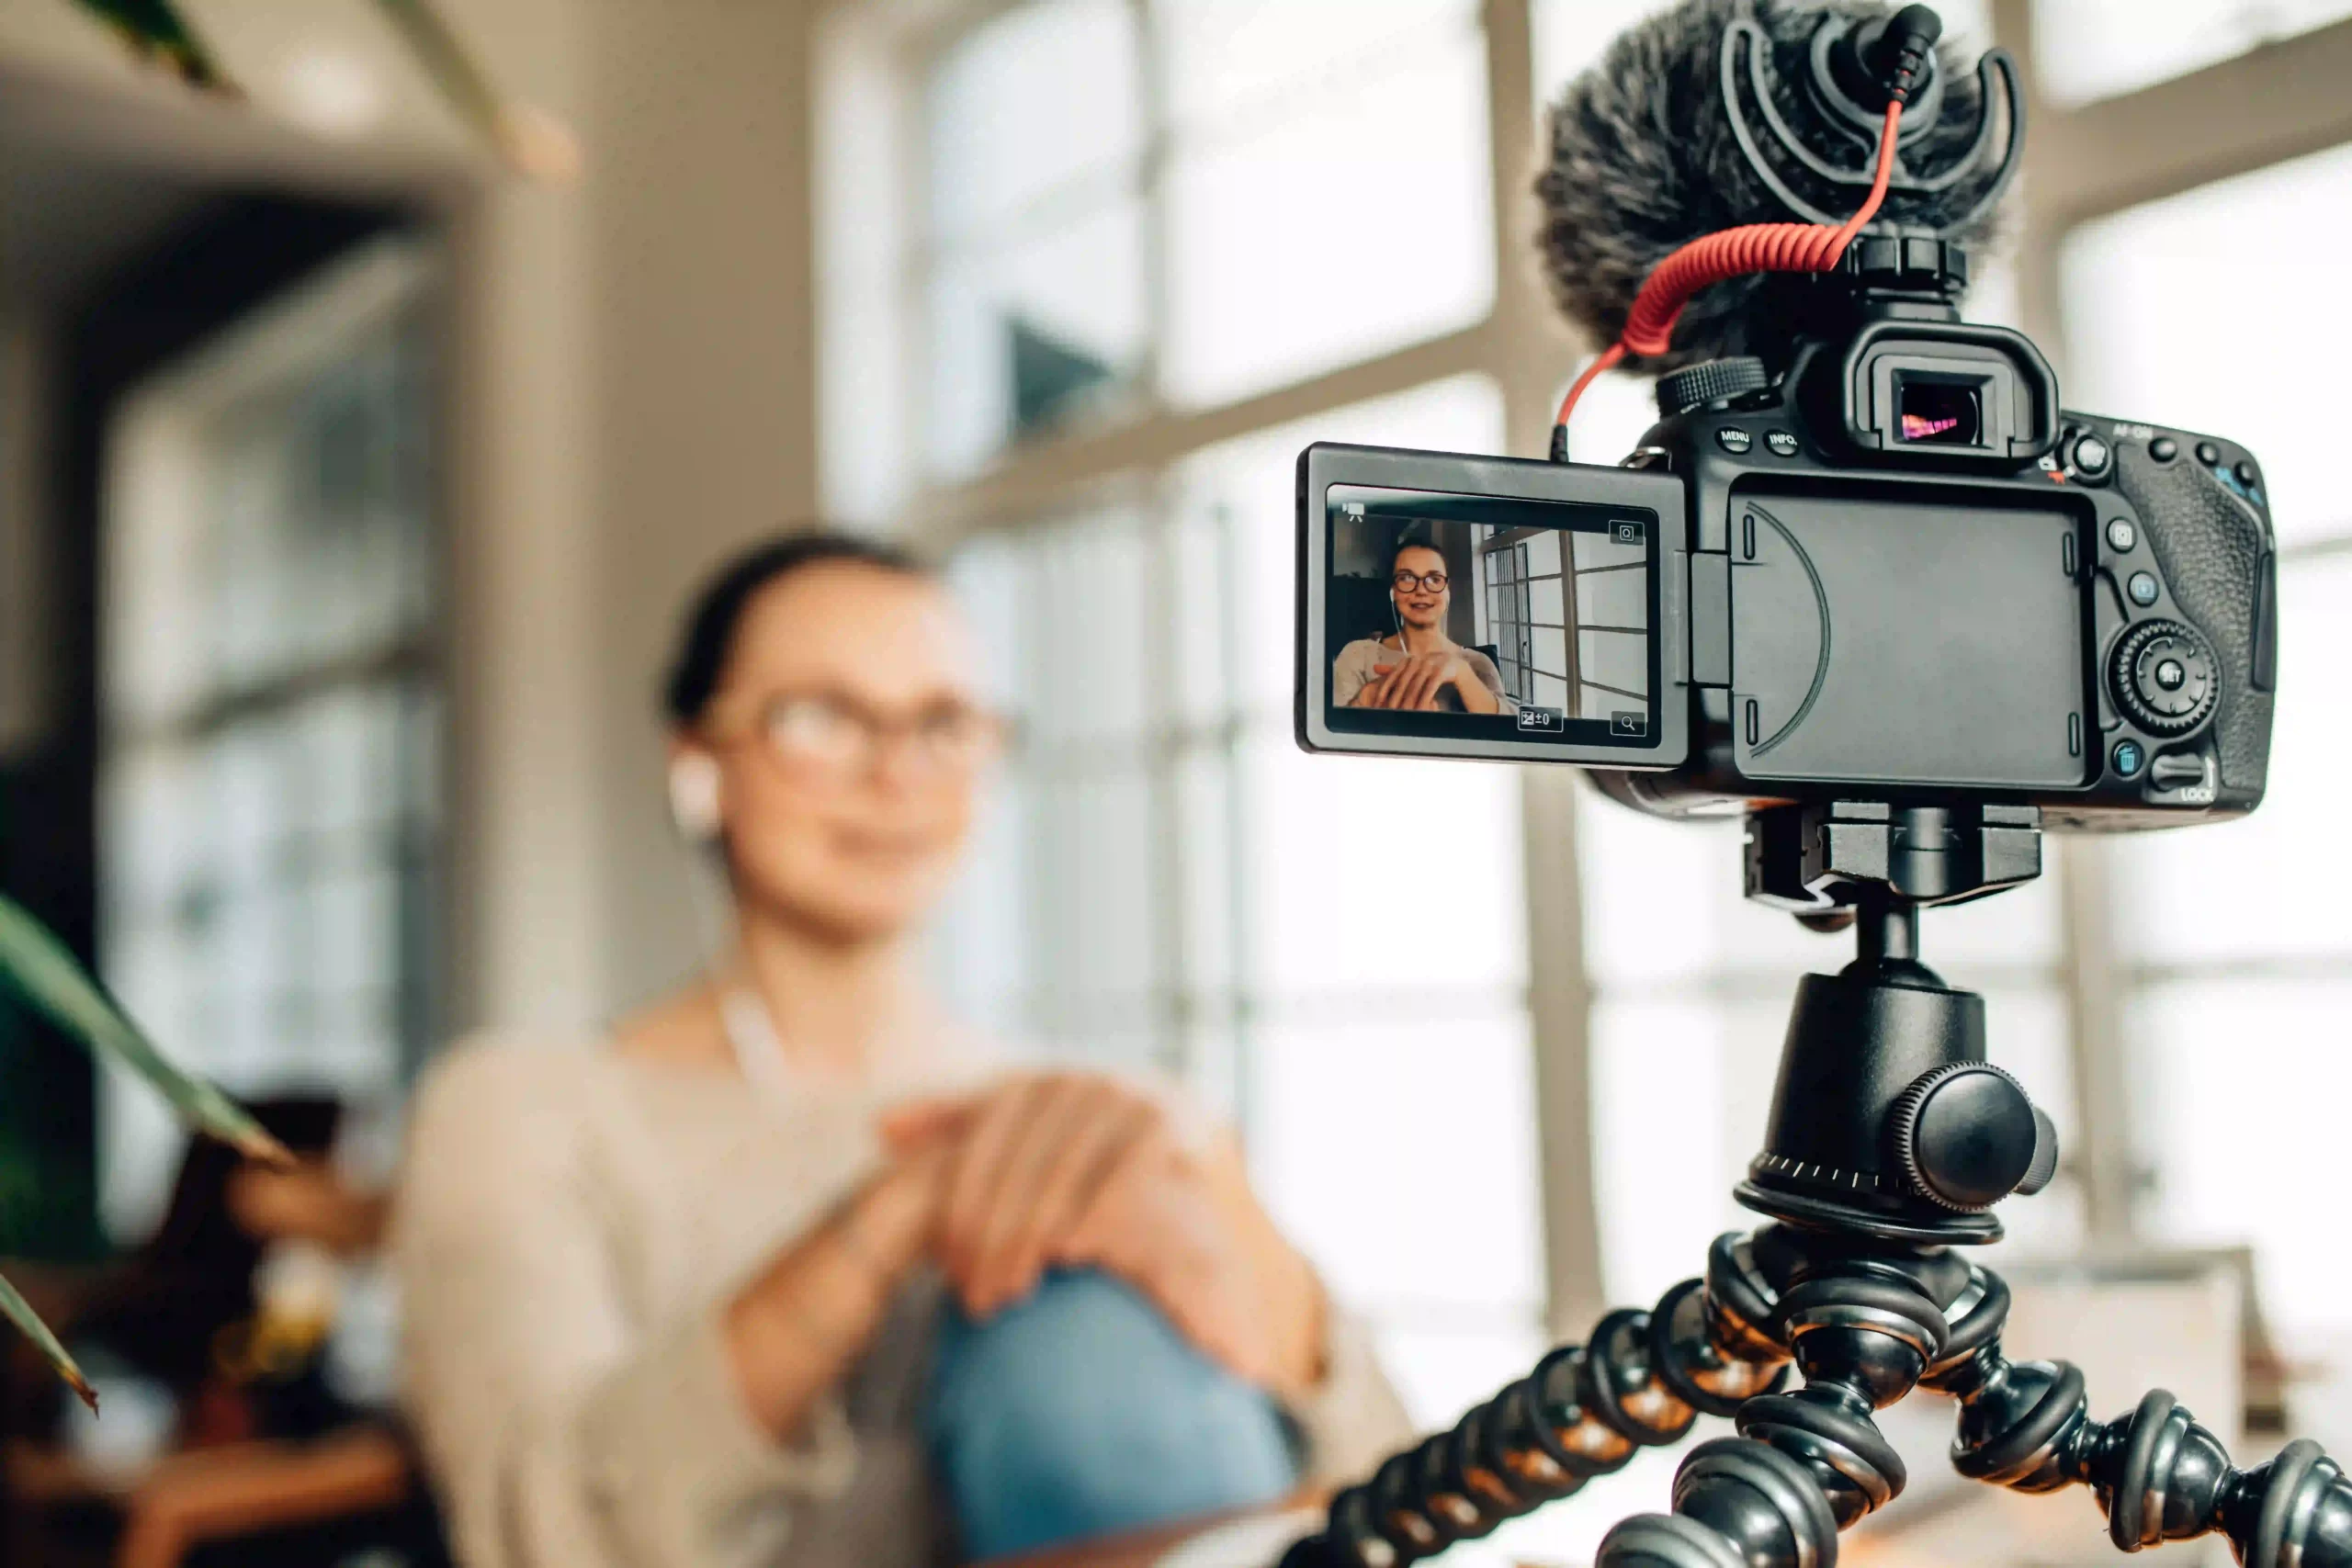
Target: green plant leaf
{"x": 157, "y": 33}
{"x": 46, "y": 973}
{"x": 19, "y": 1312}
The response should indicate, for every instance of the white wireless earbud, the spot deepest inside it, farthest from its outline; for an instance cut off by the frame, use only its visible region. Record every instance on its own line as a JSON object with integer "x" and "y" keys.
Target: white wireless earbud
{"x": 693, "y": 796}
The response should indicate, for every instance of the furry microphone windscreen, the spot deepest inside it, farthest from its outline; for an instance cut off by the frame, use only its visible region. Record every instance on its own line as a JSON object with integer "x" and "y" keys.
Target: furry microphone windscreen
{"x": 1643, "y": 159}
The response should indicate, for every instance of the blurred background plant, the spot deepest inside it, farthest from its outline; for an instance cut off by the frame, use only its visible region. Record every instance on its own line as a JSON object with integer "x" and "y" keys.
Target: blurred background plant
{"x": 41, "y": 971}
{"x": 532, "y": 142}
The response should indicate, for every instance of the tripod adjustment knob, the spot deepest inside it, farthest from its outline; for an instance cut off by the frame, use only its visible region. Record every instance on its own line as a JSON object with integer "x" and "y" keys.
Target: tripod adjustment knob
{"x": 1967, "y": 1136}
{"x": 2044, "y": 1167}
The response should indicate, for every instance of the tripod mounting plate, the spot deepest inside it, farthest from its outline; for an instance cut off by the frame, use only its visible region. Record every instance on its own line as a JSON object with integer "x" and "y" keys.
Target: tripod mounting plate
{"x": 1818, "y": 860}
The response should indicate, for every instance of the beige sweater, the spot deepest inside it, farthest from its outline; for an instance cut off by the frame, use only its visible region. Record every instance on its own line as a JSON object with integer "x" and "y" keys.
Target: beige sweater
{"x": 569, "y": 1223}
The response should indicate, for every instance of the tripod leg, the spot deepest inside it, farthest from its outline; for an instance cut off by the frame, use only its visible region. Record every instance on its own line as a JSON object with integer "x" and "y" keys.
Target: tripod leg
{"x": 1644, "y": 1378}
{"x": 2159, "y": 1475}
{"x": 1807, "y": 1463}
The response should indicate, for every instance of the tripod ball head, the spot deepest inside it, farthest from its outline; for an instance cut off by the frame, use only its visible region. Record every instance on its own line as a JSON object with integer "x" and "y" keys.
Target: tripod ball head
{"x": 1887, "y": 1121}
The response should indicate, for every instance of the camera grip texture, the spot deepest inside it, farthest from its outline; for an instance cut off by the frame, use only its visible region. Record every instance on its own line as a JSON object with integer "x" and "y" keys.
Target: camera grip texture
{"x": 2215, "y": 551}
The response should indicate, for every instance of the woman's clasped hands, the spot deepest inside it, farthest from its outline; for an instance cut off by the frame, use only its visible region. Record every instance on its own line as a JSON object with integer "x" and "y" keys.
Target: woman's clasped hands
{"x": 1051, "y": 1169}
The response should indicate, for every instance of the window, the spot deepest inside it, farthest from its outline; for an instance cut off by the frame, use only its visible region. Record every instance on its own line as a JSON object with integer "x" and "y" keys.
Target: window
{"x": 1169, "y": 881}
{"x": 1033, "y": 225}
{"x": 2100, "y": 48}
{"x": 1296, "y": 144}
{"x": 2238, "y": 933}
{"x": 271, "y": 779}
{"x": 1137, "y": 205}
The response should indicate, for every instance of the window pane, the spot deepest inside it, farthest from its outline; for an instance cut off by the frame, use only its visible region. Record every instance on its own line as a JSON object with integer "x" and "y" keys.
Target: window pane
{"x": 284, "y": 528}
{"x": 1285, "y": 256}
{"x": 1093, "y": 837}
{"x": 2251, "y": 889}
{"x": 1036, "y": 98}
{"x": 1031, "y": 333}
{"x": 1082, "y": 640}
{"x": 2247, "y": 1083}
{"x": 1208, "y": 797}
{"x": 1401, "y": 1155}
{"x": 983, "y": 948}
{"x": 2155, "y": 316}
{"x": 2099, "y": 49}
{"x": 1665, "y": 1195}
{"x": 1382, "y": 877}
{"x": 1255, "y": 60}
{"x": 1052, "y": 934}
{"x": 1201, "y": 571}
{"x": 269, "y": 790}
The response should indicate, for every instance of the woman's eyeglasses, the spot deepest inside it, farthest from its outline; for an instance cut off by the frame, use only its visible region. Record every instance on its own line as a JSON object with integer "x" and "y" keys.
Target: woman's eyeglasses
{"x": 1430, "y": 582}
{"x": 818, "y": 733}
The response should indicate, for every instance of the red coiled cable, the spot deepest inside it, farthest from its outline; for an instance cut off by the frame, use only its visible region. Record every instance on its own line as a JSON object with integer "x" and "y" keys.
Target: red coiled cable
{"x": 1734, "y": 252}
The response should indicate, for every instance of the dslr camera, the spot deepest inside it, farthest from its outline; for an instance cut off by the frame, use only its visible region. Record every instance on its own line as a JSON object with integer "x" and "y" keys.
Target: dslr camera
{"x": 1866, "y": 552}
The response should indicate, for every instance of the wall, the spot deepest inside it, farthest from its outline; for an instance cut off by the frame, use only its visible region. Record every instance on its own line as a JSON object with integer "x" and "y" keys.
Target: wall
{"x": 706, "y": 424}
{"x": 630, "y": 362}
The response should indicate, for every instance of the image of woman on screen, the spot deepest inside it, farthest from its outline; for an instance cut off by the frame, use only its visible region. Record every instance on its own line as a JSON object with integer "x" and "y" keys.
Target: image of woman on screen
{"x": 1417, "y": 668}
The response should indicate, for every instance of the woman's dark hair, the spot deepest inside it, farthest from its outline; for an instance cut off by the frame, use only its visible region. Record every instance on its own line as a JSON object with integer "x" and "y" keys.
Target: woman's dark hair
{"x": 717, "y": 608}
{"x": 1414, "y": 538}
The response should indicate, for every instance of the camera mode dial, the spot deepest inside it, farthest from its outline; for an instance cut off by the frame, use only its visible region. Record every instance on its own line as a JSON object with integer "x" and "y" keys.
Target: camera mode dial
{"x": 1967, "y": 1137}
{"x": 2163, "y": 675}
{"x": 1710, "y": 382}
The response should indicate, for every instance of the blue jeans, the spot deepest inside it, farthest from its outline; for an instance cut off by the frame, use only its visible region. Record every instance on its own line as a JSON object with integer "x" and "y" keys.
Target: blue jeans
{"x": 1080, "y": 1412}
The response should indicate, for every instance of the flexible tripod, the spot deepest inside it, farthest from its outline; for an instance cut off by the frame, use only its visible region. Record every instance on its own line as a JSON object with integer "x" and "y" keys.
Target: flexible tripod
{"x": 1890, "y": 1139}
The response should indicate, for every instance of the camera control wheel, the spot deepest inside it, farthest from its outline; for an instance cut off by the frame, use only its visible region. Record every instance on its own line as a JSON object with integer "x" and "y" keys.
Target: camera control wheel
{"x": 2164, "y": 677}
{"x": 1710, "y": 382}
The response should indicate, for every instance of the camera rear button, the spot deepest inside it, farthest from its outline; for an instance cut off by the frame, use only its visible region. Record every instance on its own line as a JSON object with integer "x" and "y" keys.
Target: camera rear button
{"x": 2142, "y": 586}
{"x": 1783, "y": 444}
{"x": 2163, "y": 448}
{"x": 2121, "y": 535}
{"x": 1731, "y": 439}
{"x": 2130, "y": 759}
{"x": 2207, "y": 454}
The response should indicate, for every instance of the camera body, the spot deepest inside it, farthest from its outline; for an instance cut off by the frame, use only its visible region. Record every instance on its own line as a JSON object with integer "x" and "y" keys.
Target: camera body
{"x": 1897, "y": 570}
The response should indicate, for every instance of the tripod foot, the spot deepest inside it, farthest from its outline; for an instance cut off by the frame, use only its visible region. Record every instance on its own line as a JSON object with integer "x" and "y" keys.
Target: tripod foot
{"x": 2158, "y": 1474}
{"x": 1738, "y": 1503}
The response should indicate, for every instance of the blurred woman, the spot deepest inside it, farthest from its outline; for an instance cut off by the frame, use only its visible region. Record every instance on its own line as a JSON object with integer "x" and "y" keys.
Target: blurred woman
{"x": 791, "y": 1269}
{"x": 1419, "y": 667}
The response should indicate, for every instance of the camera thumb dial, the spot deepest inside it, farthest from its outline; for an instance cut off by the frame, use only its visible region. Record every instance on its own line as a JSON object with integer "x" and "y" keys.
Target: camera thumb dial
{"x": 1966, "y": 1136}
{"x": 2164, "y": 677}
